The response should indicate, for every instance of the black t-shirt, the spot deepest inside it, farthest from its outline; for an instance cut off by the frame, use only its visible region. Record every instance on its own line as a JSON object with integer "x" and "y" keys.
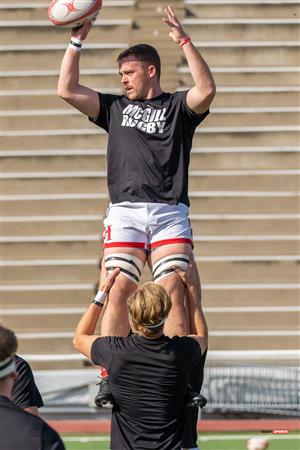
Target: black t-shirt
{"x": 20, "y": 430}
{"x": 149, "y": 146}
{"x": 148, "y": 379}
{"x": 25, "y": 392}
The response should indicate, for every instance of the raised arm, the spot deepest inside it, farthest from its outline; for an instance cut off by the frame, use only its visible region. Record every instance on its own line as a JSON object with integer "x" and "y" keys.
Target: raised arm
{"x": 191, "y": 281}
{"x": 69, "y": 89}
{"x": 84, "y": 333}
{"x": 201, "y": 95}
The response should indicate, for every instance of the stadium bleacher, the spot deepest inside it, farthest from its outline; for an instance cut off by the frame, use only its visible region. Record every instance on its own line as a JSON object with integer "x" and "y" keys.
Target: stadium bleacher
{"x": 244, "y": 173}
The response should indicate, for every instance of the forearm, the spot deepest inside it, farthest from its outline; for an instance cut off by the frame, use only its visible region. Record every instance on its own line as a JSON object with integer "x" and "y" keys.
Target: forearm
{"x": 199, "y": 69}
{"x": 198, "y": 324}
{"x": 88, "y": 322}
{"x": 68, "y": 80}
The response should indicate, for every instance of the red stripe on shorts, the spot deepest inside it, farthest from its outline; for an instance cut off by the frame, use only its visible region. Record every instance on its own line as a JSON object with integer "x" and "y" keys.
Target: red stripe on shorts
{"x": 172, "y": 241}
{"x": 125, "y": 244}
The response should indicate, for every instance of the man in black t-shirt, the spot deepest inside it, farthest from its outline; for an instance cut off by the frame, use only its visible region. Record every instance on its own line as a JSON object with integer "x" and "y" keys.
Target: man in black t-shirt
{"x": 19, "y": 430}
{"x": 149, "y": 372}
{"x": 25, "y": 392}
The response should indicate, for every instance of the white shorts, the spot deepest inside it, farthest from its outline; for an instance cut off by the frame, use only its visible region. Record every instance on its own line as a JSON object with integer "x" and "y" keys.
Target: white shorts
{"x": 146, "y": 225}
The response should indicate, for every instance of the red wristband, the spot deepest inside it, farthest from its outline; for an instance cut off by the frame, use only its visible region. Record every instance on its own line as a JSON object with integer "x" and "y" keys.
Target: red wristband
{"x": 184, "y": 41}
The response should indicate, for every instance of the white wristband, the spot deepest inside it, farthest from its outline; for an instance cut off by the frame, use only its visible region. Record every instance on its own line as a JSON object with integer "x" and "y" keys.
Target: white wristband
{"x": 75, "y": 44}
{"x": 100, "y": 298}
{"x": 76, "y": 41}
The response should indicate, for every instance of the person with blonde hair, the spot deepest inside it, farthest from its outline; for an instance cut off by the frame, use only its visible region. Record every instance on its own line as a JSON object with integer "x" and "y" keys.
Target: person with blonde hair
{"x": 149, "y": 371}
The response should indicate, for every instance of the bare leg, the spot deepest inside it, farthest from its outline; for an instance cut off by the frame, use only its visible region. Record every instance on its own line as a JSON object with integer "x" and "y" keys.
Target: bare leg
{"x": 177, "y": 323}
{"x": 115, "y": 319}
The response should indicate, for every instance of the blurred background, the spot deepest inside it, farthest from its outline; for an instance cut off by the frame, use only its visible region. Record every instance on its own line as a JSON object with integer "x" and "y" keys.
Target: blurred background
{"x": 244, "y": 191}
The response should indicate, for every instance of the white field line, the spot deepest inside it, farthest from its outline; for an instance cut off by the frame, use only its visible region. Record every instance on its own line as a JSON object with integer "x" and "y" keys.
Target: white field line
{"x": 205, "y": 287}
{"x": 194, "y": 217}
{"x": 93, "y": 262}
{"x": 196, "y": 238}
{"x": 201, "y": 438}
{"x": 193, "y": 173}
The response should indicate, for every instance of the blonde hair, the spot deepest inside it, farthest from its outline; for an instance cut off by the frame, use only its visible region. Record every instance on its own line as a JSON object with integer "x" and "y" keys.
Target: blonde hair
{"x": 148, "y": 307}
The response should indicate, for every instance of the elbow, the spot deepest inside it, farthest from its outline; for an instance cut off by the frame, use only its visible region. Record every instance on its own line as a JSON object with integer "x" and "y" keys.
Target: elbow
{"x": 211, "y": 92}
{"x": 75, "y": 342}
{"x": 63, "y": 93}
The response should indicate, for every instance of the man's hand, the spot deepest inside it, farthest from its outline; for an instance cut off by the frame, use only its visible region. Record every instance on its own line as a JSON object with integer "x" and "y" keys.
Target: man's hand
{"x": 177, "y": 33}
{"x": 189, "y": 277}
{"x": 82, "y": 31}
{"x": 107, "y": 279}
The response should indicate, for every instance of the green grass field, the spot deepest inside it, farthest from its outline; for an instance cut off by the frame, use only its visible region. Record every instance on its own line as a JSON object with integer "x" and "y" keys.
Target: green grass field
{"x": 207, "y": 441}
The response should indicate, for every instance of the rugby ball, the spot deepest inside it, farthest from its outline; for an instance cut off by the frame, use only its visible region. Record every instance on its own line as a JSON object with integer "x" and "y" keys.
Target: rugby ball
{"x": 257, "y": 443}
{"x": 73, "y": 13}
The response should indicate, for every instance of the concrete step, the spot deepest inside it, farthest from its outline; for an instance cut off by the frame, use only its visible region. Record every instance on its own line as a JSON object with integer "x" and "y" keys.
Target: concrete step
{"x": 218, "y": 53}
{"x": 43, "y": 32}
{"x": 94, "y": 137}
{"x": 54, "y": 319}
{"x": 201, "y": 159}
{"x": 52, "y": 182}
{"x": 235, "y": 116}
{"x": 21, "y": 10}
{"x": 237, "y": 341}
{"x": 246, "y": 76}
{"x": 209, "y": 224}
{"x": 78, "y": 295}
{"x": 50, "y": 56}
{"x": 85, "y": 246}
{"x": 251, "y": 10}
{"x": 47, "y": 79}
{"x": 226, "y": 97}
{"x": 201, "y": 203}
{"x": 213, "y": 269}
{"x": 242, "y": 29}
{"x": 109, "y": 77}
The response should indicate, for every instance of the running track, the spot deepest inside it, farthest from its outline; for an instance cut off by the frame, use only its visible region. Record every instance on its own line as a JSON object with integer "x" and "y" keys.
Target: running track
{"x": 103, "y": 426}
